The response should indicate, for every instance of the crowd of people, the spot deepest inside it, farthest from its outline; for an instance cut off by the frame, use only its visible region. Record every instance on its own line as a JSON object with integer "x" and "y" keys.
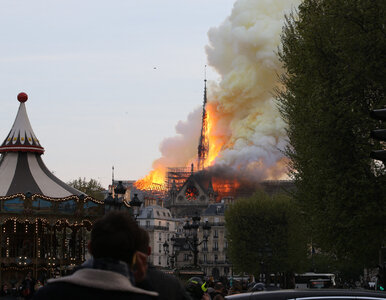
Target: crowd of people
{"x": 118, "y": 269}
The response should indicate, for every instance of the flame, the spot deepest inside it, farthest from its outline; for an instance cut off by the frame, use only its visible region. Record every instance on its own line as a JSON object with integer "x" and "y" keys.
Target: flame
{"x": 216, "y": 143}
{"x": 225, "y": 185}
{"x": 155, "y": 177}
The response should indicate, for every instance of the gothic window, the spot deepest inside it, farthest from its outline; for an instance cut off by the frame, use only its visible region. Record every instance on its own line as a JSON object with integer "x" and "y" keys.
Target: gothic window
{"x": 191, "y": 193}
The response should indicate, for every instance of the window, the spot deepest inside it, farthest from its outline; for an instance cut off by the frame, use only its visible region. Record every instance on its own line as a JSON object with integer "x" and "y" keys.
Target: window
{"x": 159, "y": 260}
{"x": 215, "y": 246}
{"x": 167, "y": 236}
{"x": 215, "y": 233}
{"x": 147, "y": 223}
{"x": 205, "y": 258}
{"x": 186, "y": 257}
{"x": 205, "y": 246}
{"x": 160, "y": 248}
{"x": 216, "y": 220}
{"x": 160, "y": 236}
{"x": 167, "y": 225}
{"x": 159, "y": 223}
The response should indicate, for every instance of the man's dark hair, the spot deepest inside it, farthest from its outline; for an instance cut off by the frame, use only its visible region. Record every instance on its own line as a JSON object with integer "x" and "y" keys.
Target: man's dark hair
{"x": 115, "y": 236}
{"x": 143, "y": 241}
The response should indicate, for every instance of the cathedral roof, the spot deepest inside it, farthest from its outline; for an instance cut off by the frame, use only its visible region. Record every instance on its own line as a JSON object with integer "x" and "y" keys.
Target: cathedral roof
{"x": 22, "y": 169}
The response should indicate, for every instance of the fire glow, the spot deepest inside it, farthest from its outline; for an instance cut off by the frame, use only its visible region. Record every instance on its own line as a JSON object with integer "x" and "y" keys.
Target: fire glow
{"x": 155, "y": 177}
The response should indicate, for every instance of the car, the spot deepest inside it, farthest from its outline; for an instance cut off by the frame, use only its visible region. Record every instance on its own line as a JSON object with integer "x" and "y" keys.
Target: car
{"x": 316, "y": 294}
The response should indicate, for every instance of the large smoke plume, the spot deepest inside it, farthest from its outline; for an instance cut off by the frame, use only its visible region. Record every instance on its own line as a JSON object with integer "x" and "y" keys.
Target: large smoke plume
{"x": 248, "y": 133}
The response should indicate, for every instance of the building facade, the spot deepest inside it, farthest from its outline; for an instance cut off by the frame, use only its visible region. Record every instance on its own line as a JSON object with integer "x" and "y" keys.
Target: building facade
{"x": 213, "y": 256}
{"x": 161, "y": 226}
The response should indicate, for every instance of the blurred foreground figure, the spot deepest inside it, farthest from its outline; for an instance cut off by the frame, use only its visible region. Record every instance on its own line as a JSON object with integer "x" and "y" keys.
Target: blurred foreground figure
{"x": 168, "y": 286}
{"x": 197, "y": 289}
{"x": 109, "y": 273}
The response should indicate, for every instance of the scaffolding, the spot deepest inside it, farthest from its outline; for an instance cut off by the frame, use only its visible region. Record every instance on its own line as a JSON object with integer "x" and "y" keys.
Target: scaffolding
{"x": 178, "y": 176}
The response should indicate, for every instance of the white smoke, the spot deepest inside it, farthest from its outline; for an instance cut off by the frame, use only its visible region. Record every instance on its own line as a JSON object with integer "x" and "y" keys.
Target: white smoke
{"x": 181, "y": 149}
{"x": 243, "y": 51}
{"x": 247, "y": 124}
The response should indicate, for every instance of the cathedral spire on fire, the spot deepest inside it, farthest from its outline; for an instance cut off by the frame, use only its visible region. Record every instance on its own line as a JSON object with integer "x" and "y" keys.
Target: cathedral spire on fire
{"x": 203, "y": 145}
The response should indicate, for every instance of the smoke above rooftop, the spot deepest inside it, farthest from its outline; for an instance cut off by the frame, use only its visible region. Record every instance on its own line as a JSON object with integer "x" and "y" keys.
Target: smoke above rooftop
{"x": 247, "y": 134}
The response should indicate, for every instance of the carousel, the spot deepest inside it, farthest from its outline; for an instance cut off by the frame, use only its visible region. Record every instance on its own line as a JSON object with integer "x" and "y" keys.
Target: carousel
{"x": 44, "y": 223}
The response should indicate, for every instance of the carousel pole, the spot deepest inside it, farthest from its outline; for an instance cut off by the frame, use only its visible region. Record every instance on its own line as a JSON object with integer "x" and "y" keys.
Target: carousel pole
{"x": 34, "y": 253}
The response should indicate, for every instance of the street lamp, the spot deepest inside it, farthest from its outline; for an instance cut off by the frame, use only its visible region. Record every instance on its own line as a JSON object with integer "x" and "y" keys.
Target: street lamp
{"x": 172, "y": 258}
{"x": 265, "y": 252}
{"x": 191, "y": 238}
{"x": 116, "y": 202}
{"x": 135, "y": 203}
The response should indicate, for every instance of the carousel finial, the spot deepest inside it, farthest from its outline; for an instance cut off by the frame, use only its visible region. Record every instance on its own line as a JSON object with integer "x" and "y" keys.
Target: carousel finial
{"x": 22, "y": 97}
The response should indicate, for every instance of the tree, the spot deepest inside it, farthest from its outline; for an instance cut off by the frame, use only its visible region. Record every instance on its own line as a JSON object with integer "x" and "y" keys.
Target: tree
{"x": 333, "y": 53}
{"x": 92, "y": 188}
{"x": 265, "y": 234}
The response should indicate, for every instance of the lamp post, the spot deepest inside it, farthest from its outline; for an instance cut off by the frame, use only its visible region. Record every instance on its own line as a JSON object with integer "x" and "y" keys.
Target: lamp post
{"x": 191, "y": 238}
{"x": 264, "y": 253}
{"x": 135, "y": 204}
{"x": 171, "y": 258}
{"x": 116, "y": 202}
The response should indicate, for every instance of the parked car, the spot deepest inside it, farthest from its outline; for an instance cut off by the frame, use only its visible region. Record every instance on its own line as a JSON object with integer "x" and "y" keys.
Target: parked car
{"x": 316, "y": 294}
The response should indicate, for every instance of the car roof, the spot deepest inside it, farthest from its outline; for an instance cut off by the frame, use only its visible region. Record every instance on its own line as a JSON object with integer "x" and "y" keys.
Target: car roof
{"x": 310, "y": 294}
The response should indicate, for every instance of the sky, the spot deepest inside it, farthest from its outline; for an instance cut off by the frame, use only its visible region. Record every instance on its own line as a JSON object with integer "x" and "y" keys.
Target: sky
{"x": 107, "y": 80}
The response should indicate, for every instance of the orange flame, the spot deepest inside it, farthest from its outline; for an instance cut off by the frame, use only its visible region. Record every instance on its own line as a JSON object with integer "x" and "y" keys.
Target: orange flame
{"x": 215, "y": 141}
{"x": 225, "y": 187}
{"x": 156, "y": 176}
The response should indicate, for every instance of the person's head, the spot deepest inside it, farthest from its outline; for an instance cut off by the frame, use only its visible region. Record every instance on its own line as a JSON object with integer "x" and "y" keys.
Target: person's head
{"x": 196, "y": 287}
{"x": 219, "y": 287}
{"x": 115, "y": 236}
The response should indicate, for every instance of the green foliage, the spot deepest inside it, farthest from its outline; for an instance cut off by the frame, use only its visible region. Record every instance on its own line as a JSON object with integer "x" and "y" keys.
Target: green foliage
{"x": 334, "y": 56}
{"x": 92, "y": 188}
{"x": 265, "y": 229}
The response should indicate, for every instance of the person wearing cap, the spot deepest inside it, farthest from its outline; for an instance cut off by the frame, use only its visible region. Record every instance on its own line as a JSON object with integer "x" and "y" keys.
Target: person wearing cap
{"x": 111, "y": 271}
